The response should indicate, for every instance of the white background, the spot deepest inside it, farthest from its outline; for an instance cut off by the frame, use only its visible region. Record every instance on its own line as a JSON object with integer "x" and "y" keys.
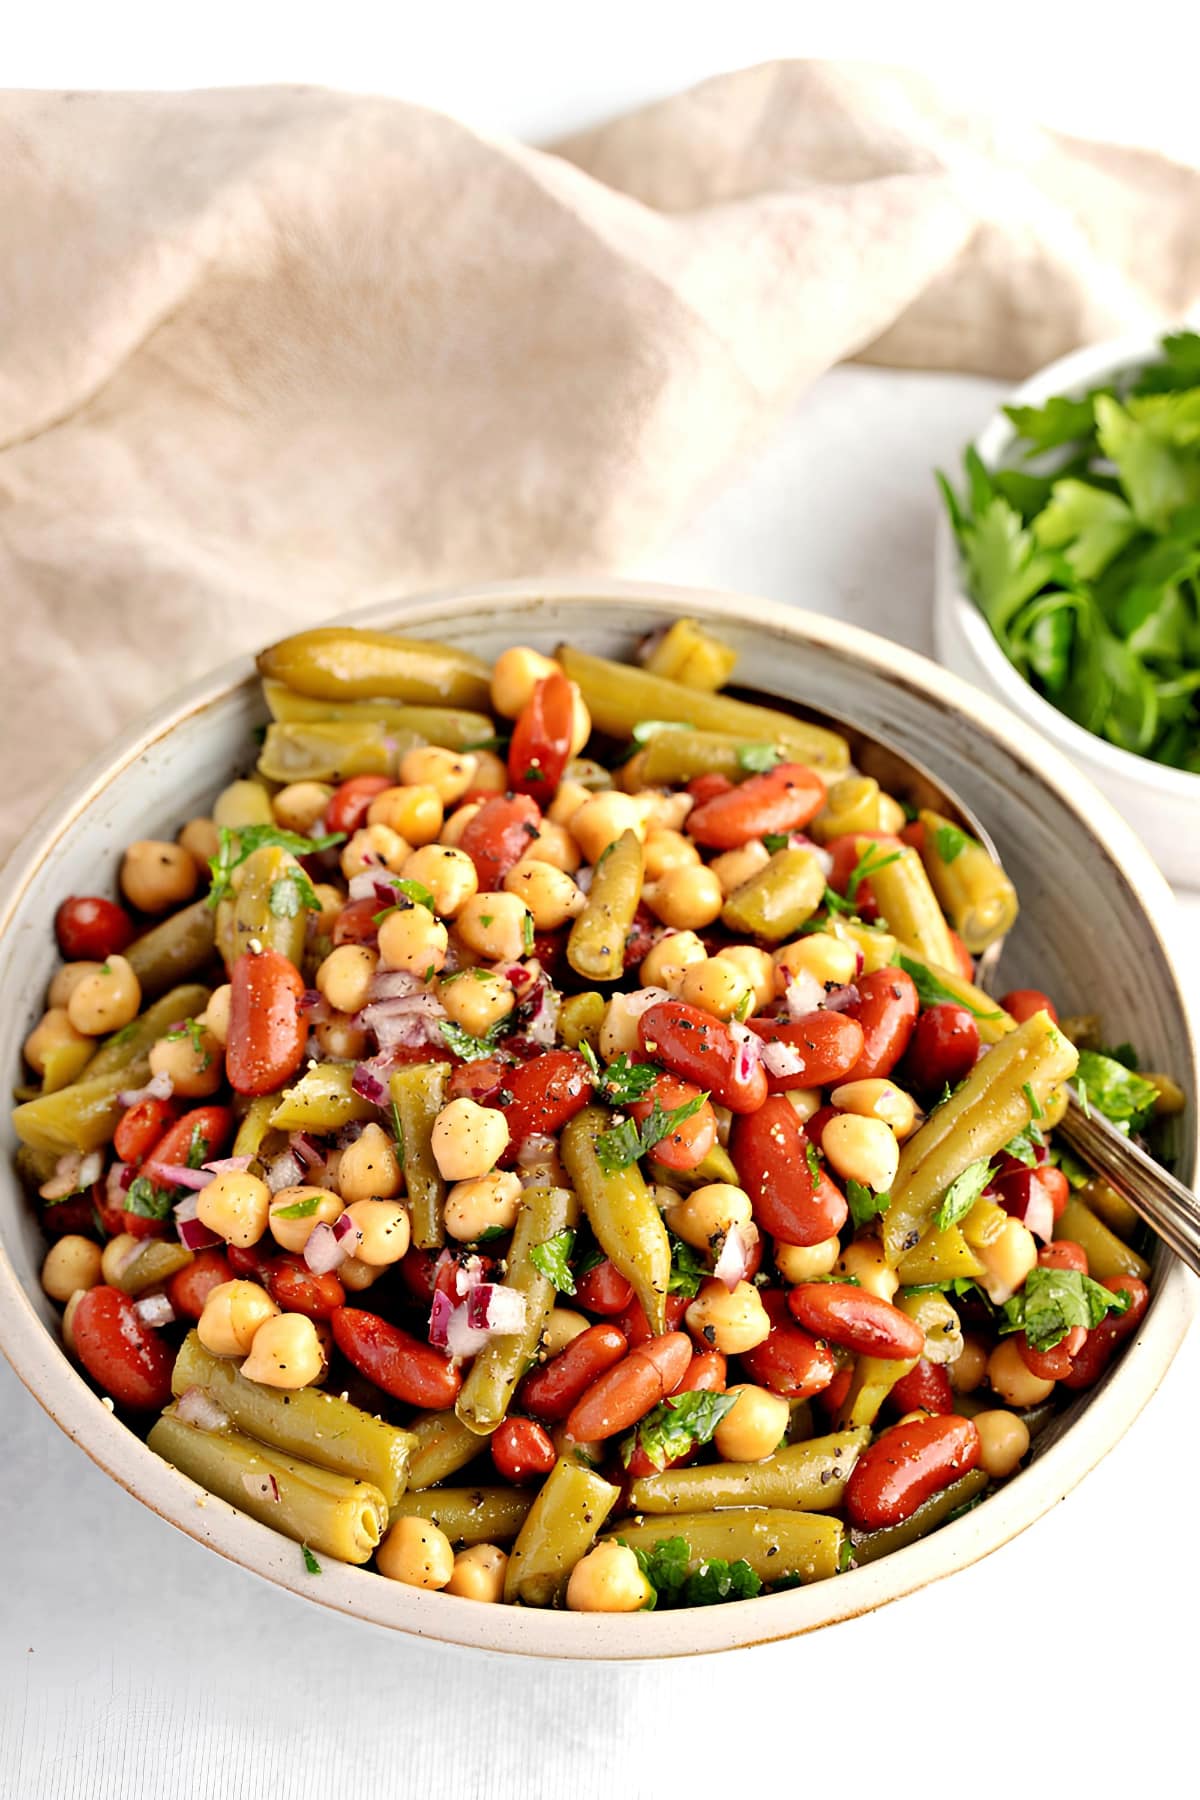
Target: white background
{"x": 134, "y": 1663}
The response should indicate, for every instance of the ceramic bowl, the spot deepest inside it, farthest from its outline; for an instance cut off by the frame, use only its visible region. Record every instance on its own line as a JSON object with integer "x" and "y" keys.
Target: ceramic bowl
{"x": 1162, "y": 804}
{"x": 1097, "y": 942}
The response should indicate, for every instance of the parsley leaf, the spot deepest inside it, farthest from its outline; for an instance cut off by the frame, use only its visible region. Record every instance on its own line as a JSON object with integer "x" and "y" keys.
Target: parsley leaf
{"x": 950, "y": 842}
{"x": 193, "y": 1031}
{"x": 845, "y": 1556}
{"x": 527, "y": 932}
{"x": 146, "y": 1200}
{"x": 688, "y": 1269}
{"x": 645, "y": 729}
{"x": 1036, "y": 1109}
{"x": 776, "y": 840}
{"x": 416, "y": 891}
{"x": 1121, "y": 1094}
{"x": 677, "y": 1425}
{"x": 864, "y": 1203}
{"x": 962, "y": 1193}
{"x": 757, "y": 759}
{"x": 1025, "y": 1145}
{"x": 469, "y": 1047}
{"x": 812, "y": 1157}
{"x": 714, "y": 1580}
{"x": 624, "y": 1144}
{"x": 932, "y": 992}
{"x": 292, "y": 894}
{"x": 622, "y": 1082}
{"x": 552, "y": 1259}
{"x": 197, "y": 1154}
{"x": 299, "y": 1209}
{"x": 310, "y": 1561}
{"x": 1053, "y": 1301}
{"x": 236, "y": 845}
{"x": 398, "y": 1133}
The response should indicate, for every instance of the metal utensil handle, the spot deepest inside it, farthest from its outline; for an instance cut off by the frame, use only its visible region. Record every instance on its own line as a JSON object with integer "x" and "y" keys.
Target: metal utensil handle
{"x": 1171, "y": 1209}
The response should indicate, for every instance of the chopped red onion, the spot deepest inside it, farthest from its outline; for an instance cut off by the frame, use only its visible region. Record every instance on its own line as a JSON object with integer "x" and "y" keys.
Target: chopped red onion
{"x": 841, "y": 999}
{"x": 197, "y": 1407}
{"x": 395, "y": 984}
{"x": 304, "y": 1147}
{"x": 186, "y": 1208}
{"x": 195, "y": 1236}
{"x": 780, "y": 1059}
{"x": 159, "y": 1087}
{"x": 449, "y": 1329}
{"x": 369, "y": 1080}
{"x": 802, "y": 992}
{"x": 1036, "y": 1213}
{"x": 118, "y": 1182}
{"x": 406, "y": 1023}
{"x": 491, "y": 1307}
{"x": 343, "y": 1228}
{"x": 261, "y": 1487}
{"x": 323, "y": 1253}
{"x": 179, "y": 1175}
{"x": 733, "y": 1264}
{"x": 91, "y": 1168}
{"x": 284, "y": 1171}
{"x": 154, "y": 1309}
{"x": 749, "y": 1050}
{"x": 315, "y": 1006}
{"x": 228, "y": 1165}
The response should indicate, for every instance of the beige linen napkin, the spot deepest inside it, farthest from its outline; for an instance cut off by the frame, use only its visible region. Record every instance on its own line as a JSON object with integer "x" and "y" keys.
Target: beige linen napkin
{"x": 268, "y": 353}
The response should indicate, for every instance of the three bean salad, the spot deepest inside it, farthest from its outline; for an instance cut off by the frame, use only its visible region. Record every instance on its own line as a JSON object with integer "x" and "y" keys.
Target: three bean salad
{"x": 541, "y": 1135}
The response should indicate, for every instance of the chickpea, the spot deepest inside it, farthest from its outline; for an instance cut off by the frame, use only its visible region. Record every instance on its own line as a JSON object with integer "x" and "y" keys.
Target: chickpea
{"x": 666, "y": 962}
{"x": 370, "y": 1167}
{"x": 754, "y": 1427}
{"x": 804, "y": 1262}
{"x": 493, "y": 926}
{"x": 805, "y": 1102}
{"x": 293, "y": 1234}
{"x": 384, "y": 1229}
{"x": 236, "y": 1206}
{"x": 515, "y": 674}
{"x": 687, "y": 898}
{"x": 865, "y": 1262}
{"x": 331, "y": 901}
{"x": 548, "y": 893}
{"x": 67, "y": 1322}
{"x": 826, "y": 958}
{"x": 116, "y": 1256}
{"x": 561, "y": 1328}
{"x": 733, "y": 867}
{"x": 668, "y": 850}
{"x": 156, "y": 876}
{"x": 731, "y": 1322}
{"x": 215, "y": 1017}
{"x": 413, "y": 813}
{"x": 192, "y": 1057}
{"x": 340, "y": 1038}
{"x": 1007, "y": 1260}
{"x": 416, "y": 1552}
{"x": 356, "y": 1276}
{"x": 468, "y": 1139}
{"x": 878, "y": 1099}
{"x": 201, "y": 839}
{"x": 345, "y": 976}
{"x": 554, "y": 845}
{"x": 718, "y": 987}
{"x": 232, "y": 1313}
{"x": 413, "y": 939}
{"x": 71, "y": 1263}
{"x": 1004, "y": 1440}
{"x": 476, "y": 999}
{"x": 1012, "y": 1380}
{"x": 757, "y": 969}
{"x": 286, "y": 1352}
{"x": 581, "y": 720}
{"x": 457, "y": 823}
{"x": 608, "y": 1580}
{"x": 567, "y": 801}
{"x": 664, "y": 809}
{"x": 301, "y": 806}
{"x": 106, "y": 1000}
{"x": 450, "y": 773}
{"x": 66, "y": 980}
{"x": 970, "y": 1366}
{"x": 449, "y": 874}
{"x": 705, "y": 1217}
{"x": 481, "y": 1204}
{"x": 601, "y": 820}
{"x": 491, "y": 773}
{"x": 891, "y": 815}
{"x": 479, "y": 1573}
{"x": 245, "y": 802}
{"x": 619, "y": 1027}
{"x": 52, "y": 1031}
{"x": 862, "y": 1150}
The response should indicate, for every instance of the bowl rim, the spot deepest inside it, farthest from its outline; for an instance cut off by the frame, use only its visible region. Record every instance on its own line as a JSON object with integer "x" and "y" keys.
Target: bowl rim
{"x": 1079, "y": 369}
{"x": 43, "y": 1366}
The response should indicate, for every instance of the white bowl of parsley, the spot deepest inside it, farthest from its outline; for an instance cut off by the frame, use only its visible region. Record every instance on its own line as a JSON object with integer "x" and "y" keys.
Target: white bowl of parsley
{"x": 1068, "y": 575}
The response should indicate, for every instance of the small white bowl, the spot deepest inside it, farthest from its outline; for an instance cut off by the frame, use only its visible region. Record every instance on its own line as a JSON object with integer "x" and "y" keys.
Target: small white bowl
{"x": 1162, "y": 804}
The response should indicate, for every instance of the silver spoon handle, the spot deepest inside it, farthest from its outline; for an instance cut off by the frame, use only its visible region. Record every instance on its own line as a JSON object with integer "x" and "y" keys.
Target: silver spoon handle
{"x": 1172, "y": 1210}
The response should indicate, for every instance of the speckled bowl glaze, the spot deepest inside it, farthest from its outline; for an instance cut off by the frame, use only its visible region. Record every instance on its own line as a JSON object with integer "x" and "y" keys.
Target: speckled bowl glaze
{"x": 1046, "y": 818}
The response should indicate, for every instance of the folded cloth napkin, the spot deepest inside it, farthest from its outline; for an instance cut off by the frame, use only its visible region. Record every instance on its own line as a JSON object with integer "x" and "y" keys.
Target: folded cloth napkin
{"x": 268, "y": 353}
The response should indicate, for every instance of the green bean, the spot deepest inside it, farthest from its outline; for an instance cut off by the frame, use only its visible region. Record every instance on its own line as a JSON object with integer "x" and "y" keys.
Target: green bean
{"x": 1085, "y": 1030}
{"x": 418, "y": 1092}
{"x": 774, "y": 1542}
{"x": 180, "y": 947}
{"x": 852, "y": 804}
{"x": 718, "y": 1165}
{"x": 443, "y": 1446}
{"x": 619, "y": 697}
{"x": 1110, "y": 1207}
{"x": 339, "y": 662}
{"x": 869, "y": 1546}
{"x": 1107, "y": 1255}
{"x": 153, "y": 1262}
{"x": 621, "y": 1212}
{"x": 332, "y": 1513}
{"x": 978, "y": 1119}
{"x": 992, "y": 1021}
{"x": 323, "y": 1100}
{"x": 560, "y": 1527}
{"x": 877, "y": 948}
{"x": 133, "y": 1045}
{"x": 810, "y": 1477}
{"x": 334, "y": 751}
{"x": 873, "y": 1379}
{"x": 777, "y": 901}
{"x": 972, "y": 889}
{"x": 580, "y": 1019}
{"x": 938, "y": 1320}
{"x": 451, "y": 727}
{"x": 672, "y": 757}
{"x": 319, "y": 1427}
{"x": 255, "y": 1125}
{"x": 250, "y": 915}
{"x": 686, "y": 653}
{"x": 596, "y": 946}
{"x": 62, "y": 1064}
{"x": 482, "y": 1515}
{"x": 906, "y": 899}
{"x": 939, "y": 1256}
{"x": 499, "y": 1366}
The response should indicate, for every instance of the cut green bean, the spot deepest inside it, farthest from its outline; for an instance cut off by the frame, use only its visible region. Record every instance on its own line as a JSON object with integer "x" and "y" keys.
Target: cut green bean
{"x": 810, "y": 1477}
{"x": 323, "y": 1100}
{"x": 621, "y": 1212}
{"x": 773, "y": 1541}
{"x": 671, "y": 757}
{"x": 418, "y": 1092}
{"x": 335, "y": 750}
{"x": 869, "y": 1546}
{"x": 451, "y": 727}
{"x": 133, "y": 1045}
{"x": 442, "y": 1445}
{"x": 1107, "y": 1255}
{"x": 560, "y": 1527}
{"x": 252, "y": 915}
{"x": 596, "y": 946}
{"x": 779, "y": 899}
{"x": 482, "y": 1515}
{"x": 906, "y": 899}
{"x": 340, "y": 662}
{"x": 686, "y": 653}
{"x": 872, "y": 1381}
{"x": 972, "y": 889}
{"x": 182, "y": 946}
{"x": 487, "y": 1390}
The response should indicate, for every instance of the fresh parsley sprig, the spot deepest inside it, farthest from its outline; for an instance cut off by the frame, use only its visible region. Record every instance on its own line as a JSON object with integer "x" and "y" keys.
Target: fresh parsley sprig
{"x": 624, "y": 1143}
{"x": 1053, "y": 1301}
{"x": 677, "y": 1425}
{"x": 622, "y": 1082}
{"x": 237, "y": 844}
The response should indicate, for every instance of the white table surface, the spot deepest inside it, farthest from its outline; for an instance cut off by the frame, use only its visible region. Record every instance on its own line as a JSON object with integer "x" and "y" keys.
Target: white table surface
{"x": 134, "y": 1663}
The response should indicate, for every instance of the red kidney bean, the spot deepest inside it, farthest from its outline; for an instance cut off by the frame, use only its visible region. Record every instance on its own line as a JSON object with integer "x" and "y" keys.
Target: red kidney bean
{"x": 687, "y": 1146}
{"x": 128, "y": 1359}
{"x": 831, "y": 1399}
{"x": 251, "y": 1259}
{"x": 627, "y": 1392}
{"x": 887, "y": 1011}
{"x": 907, "y": 1464}
{"x": 705, "y": 1374}
{"x": 851, "y": 1317}
{"x": 788, "y": 1361}
{"x": 700, "y": 1048}
{"x": 1102, "y": 1339}
{"x": 602, "y": 1290}
{"x": 641, "y": 937}
{"x": 541, "y": 1095}
{"x": 139, "y": 1226}
{"x": 828, "y": 1044}
{"x": 814, "y": 1128}
{"x": 91, "y": 929}
{"x": 1037, "y": 1191}
{"x": 189, "y": 1288}
{"x": 1064, "y": 1254}
{"x": 480, "y": 1080}
{"x": 499, "y": 835}
{"x": 703, "y": 788}
{"x": 636, "y": 1327}
{"x": 924, "y": 1389}
{"x": 944, "y": 1047}
{"x": 541, "y": 741}
{"x": 74, "y": 1217}
{"x": 550, "y": 950}
{"x": 769, "y": 1150}
{"x": 141, "y": 1126}
{"x": 552, "y": 1390}
{"x": 355, "y": 924}
{"x": 964, "y": 962}
{"x": 349, "y": 804}
{"x": 1053, "y": 1364}
{"x": 293, "y": 1287}
{"x": 522, "y": 1450}
{"x": 783, "y": 799}
{"x": 209, "y": 1127}
{"x": 267, "y": 1030}
{"x": 1022, "y": 1003}
{"x": 845, "y": 857}
{"x": 398, "y": 1363}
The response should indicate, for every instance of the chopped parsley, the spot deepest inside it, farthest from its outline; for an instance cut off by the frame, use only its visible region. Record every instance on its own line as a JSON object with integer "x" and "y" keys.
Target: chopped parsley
{"x": 932, "y": 992}
{"x": 1025, "y": 1146}
{"x": 962, "y": 1193}
{"x": 757, "y": 759}
{"x": 688, "y": 1269}
{"x": 1053, "y": 1301}
{"x": 236, "y": 845}
{"x": 398, "y": 1133}
{"x": 864, "y": 1203}
{"x": 1121, "y": 1094}
{"x": 676, "y": 1426}
{"x": 299, "y": 1209}
{"x": 667, "y": 1566}
{"x": 776, "y": 840}
{"x": 146, "y": 1200}
{"x": 552, "y": 1259}
{"x": 310, "y": 1561}
{"x": 812, "y": 1157}
{"x": 623, "y": 1081}
{"x": 193, "y": 1031}
{"x": 414, "y": 891}
{"x": 1036, "y": 1109}
{"x": 624, "y": 1144}
{"x": 197, "y": 1154}
{"x": 950, "y": 842}
{"x": 845, "y": 1556}
{"x": 291, "y": 895}
{"x": 465, "y": 1044}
